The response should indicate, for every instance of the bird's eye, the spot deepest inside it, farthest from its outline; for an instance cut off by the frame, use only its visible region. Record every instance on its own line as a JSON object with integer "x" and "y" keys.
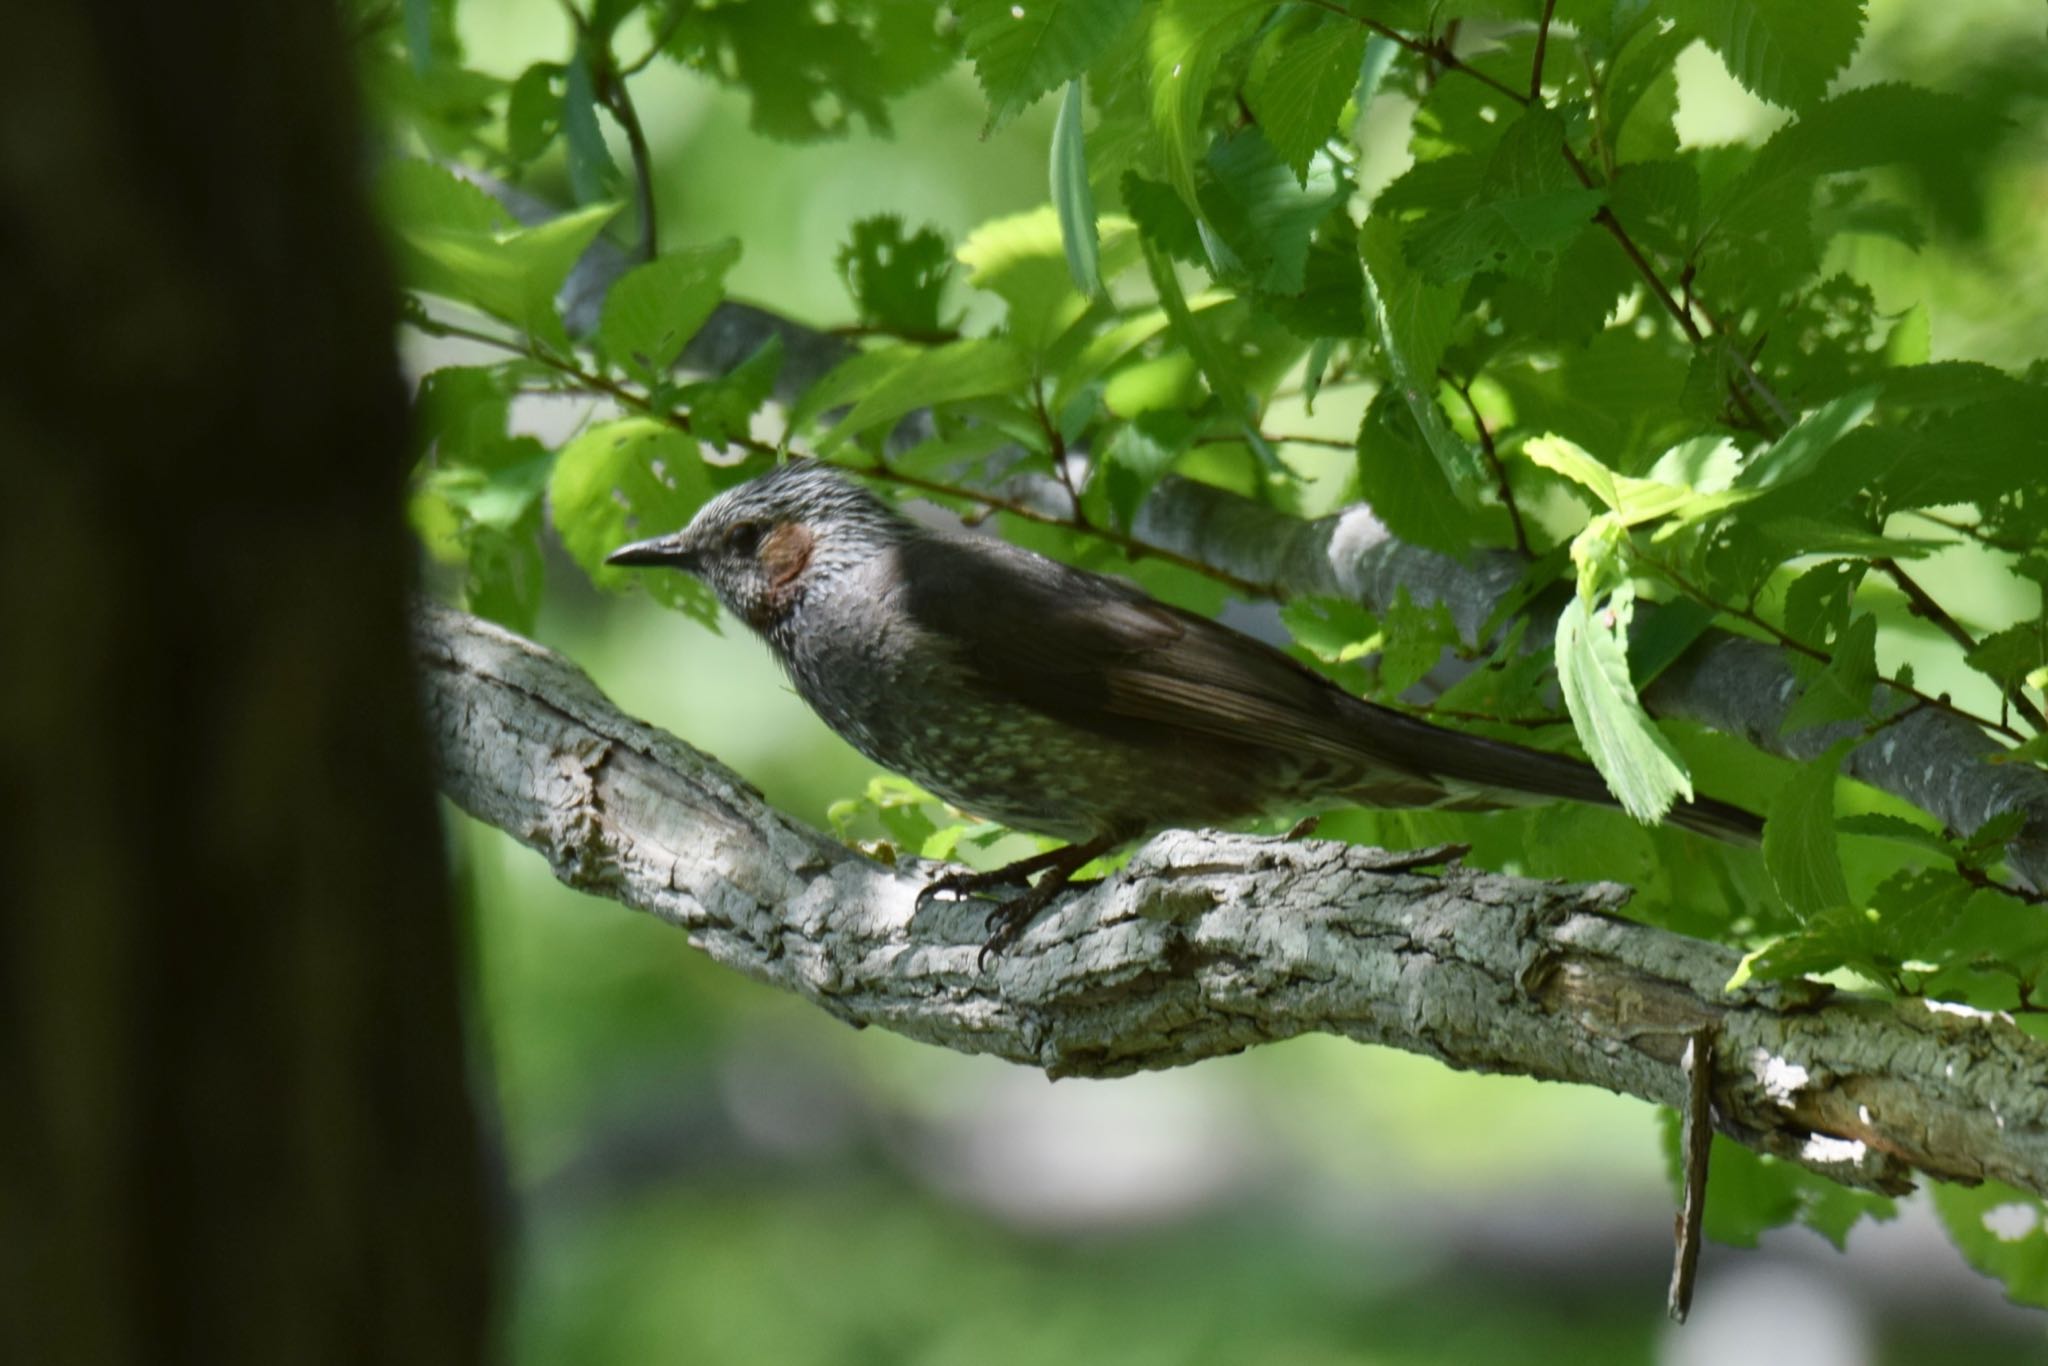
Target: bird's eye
{"x": 745, "y": 538}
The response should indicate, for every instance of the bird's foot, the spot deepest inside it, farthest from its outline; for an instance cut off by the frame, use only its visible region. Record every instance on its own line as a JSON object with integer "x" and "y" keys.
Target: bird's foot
{"x": 1009, "y": 918}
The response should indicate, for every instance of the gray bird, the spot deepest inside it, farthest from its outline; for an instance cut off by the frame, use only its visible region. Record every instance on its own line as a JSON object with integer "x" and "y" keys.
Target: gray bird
{"x": 1062, "y": 702}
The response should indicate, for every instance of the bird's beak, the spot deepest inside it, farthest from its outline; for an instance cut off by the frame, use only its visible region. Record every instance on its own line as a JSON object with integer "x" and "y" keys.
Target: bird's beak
{"x": 673, "y": 551}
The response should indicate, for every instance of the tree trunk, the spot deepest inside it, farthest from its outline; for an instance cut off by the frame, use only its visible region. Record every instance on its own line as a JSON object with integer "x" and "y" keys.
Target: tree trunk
{"x": 237, "y": 1123}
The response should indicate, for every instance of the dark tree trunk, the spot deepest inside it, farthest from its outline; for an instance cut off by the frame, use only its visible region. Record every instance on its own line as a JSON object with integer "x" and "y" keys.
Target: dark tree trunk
{"x": 234, "y": 1124}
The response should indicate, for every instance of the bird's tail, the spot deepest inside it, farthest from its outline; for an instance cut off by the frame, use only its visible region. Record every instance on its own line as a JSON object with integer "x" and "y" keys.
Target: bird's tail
{"x": 1478, "y": 773}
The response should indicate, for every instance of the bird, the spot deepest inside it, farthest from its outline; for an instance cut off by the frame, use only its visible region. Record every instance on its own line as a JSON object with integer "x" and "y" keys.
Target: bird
{"x": 1066, "y": 703}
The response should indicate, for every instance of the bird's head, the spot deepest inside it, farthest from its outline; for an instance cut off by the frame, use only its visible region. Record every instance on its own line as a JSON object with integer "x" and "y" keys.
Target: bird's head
{"x": 761, "y": 545}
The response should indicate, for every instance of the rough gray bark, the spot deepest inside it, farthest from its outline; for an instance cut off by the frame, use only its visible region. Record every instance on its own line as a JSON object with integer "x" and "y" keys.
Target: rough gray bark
{"x": 1209, "y": 943}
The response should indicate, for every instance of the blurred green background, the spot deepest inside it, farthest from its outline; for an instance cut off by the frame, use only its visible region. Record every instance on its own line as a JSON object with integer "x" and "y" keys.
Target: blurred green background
{"x": 704, "y": 1170}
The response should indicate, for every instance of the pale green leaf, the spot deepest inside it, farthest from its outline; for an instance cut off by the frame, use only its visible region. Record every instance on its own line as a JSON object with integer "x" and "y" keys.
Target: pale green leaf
{"x": 1641, "y": 768}
{"x": 513, "y": 275}
{"x": 625, "y": 481}
{"x": 2003, "y": 1231}
{"x": 1071, "y": 198}
{"x": 653, "y": 310}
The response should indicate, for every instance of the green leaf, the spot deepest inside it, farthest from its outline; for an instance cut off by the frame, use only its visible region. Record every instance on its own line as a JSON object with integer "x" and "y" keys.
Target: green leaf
{"x": 1842, "y": 690}
{"x": 921, "y": 378}
{"x": 1798, "y": 452}
{"x": 1641, "y": 768}
{"x": 896, "y": 281}
{"x": 1023, "y": 260}
{"x": 1187, "y": 40}
{"x": 2008, "y": 657}
{"x": 1139, "y": 456}
{"x": 1023, "y": 48}
{"x": 506, "y": 574}
{"x": 812, "y": 68}
{"x": 1334, "y": 630}
{"x": 1300, "y": 83}
{"x": 533, "y": 111}
{"x": 1631, "y": 500}
{"x": 1802, "y": 851}
{"x": 1071, "y": 198}
{"x": 1412, "y": 319}
{"x": 1527, "y": 211}
{"x": 1414, "y": 639}
{"x": 723, "y": 409}
{"x": 2004, "y": 1233}
{"x": 513, "y": 275}
{"x": 1164, "y": 219}
{"x": 1405, "y": 485}
{"x": 1262, "y": 213}
{"x": 593, "y": 175}
{"x": 622, "y": 482}
{"x": 653, "y": 310}
{"x": 1783, "y": 51}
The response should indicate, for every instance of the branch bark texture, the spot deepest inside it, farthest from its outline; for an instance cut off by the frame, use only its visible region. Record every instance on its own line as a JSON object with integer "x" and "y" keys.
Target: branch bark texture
{"x": 1207, "y": 944}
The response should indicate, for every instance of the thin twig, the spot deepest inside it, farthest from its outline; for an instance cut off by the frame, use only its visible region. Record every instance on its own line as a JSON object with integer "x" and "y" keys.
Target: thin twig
{"x": 1695, "y": 1146}
{"x": 1923, "y": 605}
{"x": 611, "y": 90}
{"x": 1500, "y": 470}
{"x": 1542, "y": 39}
{"x": 1749, "y": 616}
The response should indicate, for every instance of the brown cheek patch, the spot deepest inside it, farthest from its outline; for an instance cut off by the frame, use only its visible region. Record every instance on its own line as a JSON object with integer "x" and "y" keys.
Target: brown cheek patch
{"x": 784, "y": 552}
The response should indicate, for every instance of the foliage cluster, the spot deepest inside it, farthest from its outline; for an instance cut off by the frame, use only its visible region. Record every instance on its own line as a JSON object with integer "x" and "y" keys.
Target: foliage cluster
{"x": 1637, "y": 362}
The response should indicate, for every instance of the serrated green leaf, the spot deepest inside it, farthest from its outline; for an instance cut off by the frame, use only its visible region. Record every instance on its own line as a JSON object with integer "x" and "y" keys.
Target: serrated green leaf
{"x": 506, "y": 574}
{"x": 1783, "y": 51}
{"x": 2004, "y": 1233}
{"x": 813, "y": 69}
{"x": 1300, "y": 84}
{"x": 1187, "y": 40}
{"x": 1262, "y": 213}
{"x": 896, "y": 281}
{"x": 723, "y": 409}
{"x": 512, "y": 275}
{"x": 922, "y": 378}
{"x": 1023, "y": 48}
{"x": 652, "y": 311}
{"x": 1023, "y": 260}
{"x": 1521, "y": 237}
{"x": 622, "y": 482}
{"x": 533, "y": 111}
{"x": 1163, "y": 217}
{"x": 1631, "y": 500}
{"x": 1798, "y": 452}
{"x": 420, "y": 196}
{"x": 1413, "y": 639}
{"x": 1641, "y": 768}
{"x": 2008, "y": 657}
{"x": 1071, "y": 198}
{"x": 1412, "y": 319}
{"x": 1404, "y": 484}
{"x": 1801, "y": 849}
{"x": 1841, "y": 691}
{"x": 593, "y": 175}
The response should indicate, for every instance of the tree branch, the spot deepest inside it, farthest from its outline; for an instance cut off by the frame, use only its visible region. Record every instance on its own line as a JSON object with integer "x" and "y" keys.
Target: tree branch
{"x": 1208, "y": 944}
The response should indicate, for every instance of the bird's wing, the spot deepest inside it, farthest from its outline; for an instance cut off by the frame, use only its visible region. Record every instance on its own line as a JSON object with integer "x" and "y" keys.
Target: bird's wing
{"x": 1101, "y": 655}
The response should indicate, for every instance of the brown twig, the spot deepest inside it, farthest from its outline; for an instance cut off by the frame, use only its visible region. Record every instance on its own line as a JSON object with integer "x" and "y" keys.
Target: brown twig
{"x": 1500, "y": 470}
{"x": 1542, "y": 39}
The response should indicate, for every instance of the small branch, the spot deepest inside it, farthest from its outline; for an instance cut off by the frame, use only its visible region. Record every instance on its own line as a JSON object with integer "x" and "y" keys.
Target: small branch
{"x": 1925, "y": 607}
{"x": 1695, "y": 1145}
{"x": 1542, "y": 40}
{"x": 611, "y": 90}
{"x": 1178, "y": 958}
{"x": 1500, "y": 470}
